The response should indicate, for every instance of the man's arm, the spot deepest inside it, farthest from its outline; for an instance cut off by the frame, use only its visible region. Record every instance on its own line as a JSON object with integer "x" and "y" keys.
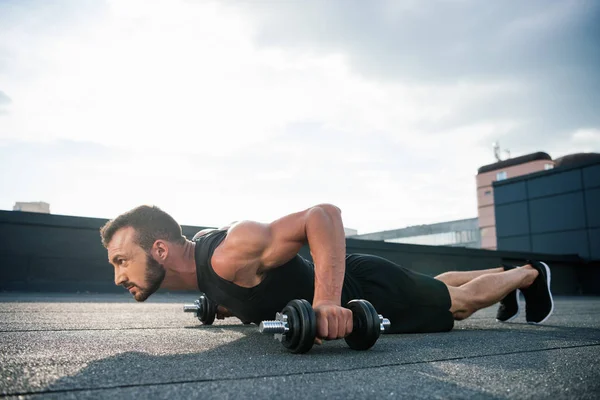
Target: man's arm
{"x": 252, "y": 247}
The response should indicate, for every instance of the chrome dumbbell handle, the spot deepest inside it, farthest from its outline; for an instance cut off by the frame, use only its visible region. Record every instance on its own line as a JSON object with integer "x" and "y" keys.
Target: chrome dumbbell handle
{"x": 191, "y": 307}
{"x": 279, "y": 327}
{"x": 384, "y": 323}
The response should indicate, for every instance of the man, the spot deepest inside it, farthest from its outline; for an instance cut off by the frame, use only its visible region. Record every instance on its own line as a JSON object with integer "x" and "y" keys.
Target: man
{"x": 253, "y": 269}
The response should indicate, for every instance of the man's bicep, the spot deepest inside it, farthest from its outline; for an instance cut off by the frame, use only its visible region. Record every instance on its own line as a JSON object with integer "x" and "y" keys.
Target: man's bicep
{"x": 274, "y": 244}
{"x": 289, "y": 234}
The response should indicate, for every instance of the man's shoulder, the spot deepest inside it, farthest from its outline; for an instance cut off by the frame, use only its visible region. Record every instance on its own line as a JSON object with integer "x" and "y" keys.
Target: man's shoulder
{"x": 237, "y": 257}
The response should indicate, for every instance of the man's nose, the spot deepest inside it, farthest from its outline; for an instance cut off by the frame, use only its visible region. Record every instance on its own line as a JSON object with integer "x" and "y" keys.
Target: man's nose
{"x": 119, "y": 277}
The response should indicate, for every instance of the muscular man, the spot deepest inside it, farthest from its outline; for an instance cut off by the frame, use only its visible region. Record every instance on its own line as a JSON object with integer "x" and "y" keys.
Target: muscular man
{"x": 253, "y": 270}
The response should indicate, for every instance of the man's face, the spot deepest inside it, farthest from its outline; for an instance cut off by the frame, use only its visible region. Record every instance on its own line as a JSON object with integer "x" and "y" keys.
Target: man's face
{"x": 135, "y": 269}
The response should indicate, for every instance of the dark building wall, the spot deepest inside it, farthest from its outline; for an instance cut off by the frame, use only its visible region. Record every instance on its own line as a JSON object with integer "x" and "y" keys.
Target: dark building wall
{"x": 42, "y": 252}
{"x": 55, "y": 252}
{"x": 554, "y": 212}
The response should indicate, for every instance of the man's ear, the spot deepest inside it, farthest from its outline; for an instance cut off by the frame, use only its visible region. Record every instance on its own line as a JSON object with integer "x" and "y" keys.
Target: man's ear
{"x": 160, "y": 250}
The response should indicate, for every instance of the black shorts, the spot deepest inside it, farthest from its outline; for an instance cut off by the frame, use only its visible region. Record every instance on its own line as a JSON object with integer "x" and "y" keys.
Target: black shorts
{"x": 413, "y": 302}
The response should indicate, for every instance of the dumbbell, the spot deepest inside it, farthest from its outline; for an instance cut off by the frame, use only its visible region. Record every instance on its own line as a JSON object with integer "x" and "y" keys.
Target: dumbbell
{"x": 205, "y": 309}
{"x": 367, "y": 325}
{"x": 296, "y": 326}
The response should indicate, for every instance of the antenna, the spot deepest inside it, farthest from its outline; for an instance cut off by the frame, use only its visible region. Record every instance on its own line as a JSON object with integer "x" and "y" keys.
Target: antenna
{"x": 496, "y": 147}
{"x": 498, "y": 151}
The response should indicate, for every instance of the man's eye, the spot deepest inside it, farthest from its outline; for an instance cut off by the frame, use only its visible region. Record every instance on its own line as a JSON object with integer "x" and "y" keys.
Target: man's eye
{"x": 120, "y": 261}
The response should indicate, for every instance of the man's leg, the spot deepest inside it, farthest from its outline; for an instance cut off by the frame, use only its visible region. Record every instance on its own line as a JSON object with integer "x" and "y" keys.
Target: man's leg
{"x": 488, "y": 289}
{"x": 459, "y": 278}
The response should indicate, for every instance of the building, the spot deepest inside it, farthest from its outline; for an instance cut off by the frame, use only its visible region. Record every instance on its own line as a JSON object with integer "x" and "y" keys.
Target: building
{"x": 350, "y": 232}
{"x": 460, "y": 233}
{"x": 499, "y": 171}
{"x": 36, "y": 207}
{"x": 552, "y": 212}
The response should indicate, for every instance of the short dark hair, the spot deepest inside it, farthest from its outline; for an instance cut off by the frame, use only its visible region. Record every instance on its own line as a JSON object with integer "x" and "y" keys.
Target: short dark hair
{"x": 150, "y": 224}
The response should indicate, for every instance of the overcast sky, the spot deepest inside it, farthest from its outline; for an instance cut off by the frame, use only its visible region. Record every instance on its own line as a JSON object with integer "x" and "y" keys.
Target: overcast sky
{"x": 220, "y": 111}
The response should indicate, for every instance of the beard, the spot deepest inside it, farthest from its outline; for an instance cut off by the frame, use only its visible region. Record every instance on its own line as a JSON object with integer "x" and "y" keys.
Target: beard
{"x": 155, "y": 274}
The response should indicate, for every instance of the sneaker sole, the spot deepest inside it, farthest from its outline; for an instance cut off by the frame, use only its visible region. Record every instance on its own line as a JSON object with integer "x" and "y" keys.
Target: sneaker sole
{"x": 518, "y": 309}
{"x": 550, "y": 293}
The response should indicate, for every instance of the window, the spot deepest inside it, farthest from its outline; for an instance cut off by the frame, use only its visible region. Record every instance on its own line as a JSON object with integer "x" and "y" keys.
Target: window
{"x": 501, "y": 175}
{"x": 548, "y": 166}
{"x": 439, "y": 239}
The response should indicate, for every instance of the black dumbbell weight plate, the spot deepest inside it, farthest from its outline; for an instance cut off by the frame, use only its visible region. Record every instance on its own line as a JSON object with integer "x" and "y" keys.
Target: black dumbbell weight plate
{"x": 291, "y": 339}
{"x": 209, "y": 310}
{"x": 303, "y": 326}
{"x": 366, "y": 325}
{"x": 309, "y": 325}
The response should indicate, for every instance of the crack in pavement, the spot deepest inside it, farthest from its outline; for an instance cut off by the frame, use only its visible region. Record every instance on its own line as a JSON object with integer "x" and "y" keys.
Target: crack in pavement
{"x": 90, "y": 329}
{"x": 293, "y": 373}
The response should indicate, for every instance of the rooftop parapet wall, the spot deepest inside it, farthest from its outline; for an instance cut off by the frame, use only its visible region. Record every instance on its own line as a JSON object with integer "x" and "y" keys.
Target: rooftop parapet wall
{"x": 41, "y": 252}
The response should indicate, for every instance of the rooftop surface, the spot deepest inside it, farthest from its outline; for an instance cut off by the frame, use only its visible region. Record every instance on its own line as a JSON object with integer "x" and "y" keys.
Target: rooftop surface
{"x": 109, "y": 346}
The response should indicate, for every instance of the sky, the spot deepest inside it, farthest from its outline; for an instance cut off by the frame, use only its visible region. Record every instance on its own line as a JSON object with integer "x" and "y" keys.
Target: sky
{"x": 222, "y": 111}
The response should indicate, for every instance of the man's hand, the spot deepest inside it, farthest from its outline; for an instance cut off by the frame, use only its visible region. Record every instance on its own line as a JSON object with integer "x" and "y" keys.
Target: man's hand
{"x": 333, "y": 321}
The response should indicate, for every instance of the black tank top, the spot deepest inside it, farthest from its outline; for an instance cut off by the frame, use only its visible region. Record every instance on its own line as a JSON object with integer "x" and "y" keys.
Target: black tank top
{"x": 293, "y": 280}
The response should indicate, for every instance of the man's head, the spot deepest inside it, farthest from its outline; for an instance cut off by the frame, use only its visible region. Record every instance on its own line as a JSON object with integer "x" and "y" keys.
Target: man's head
{"x": 138, "y": 243}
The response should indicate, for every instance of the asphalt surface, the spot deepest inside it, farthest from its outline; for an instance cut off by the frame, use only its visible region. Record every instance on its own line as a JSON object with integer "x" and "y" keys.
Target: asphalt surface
{"x": 109, "y": 346}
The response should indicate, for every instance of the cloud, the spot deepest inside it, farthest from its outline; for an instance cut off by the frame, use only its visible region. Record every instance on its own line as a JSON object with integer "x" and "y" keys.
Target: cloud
{"x": 191, "y": 74}
{"x": 4, "y": 100}
{"x": 439, "y": 40}
{"x": 585, "y": 140}
{"x": 221, "y": 111}
{"x": 549, "y": 51}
